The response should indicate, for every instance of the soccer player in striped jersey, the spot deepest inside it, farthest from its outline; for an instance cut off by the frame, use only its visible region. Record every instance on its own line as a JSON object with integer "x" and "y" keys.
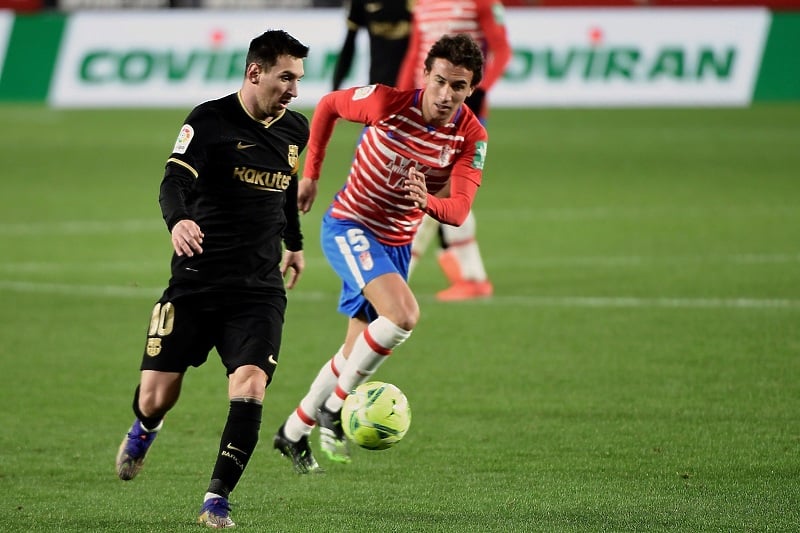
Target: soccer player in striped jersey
{"x": 422, "y": 152}
{"x": 460, "y": 257}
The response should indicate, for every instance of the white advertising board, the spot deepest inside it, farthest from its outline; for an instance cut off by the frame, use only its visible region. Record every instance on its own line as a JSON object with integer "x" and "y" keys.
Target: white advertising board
{"x": 177, "y": 58}
{"x": 562, "y": 57}
{"x": 6, "y": 20}
{"x": 633, "y": 57}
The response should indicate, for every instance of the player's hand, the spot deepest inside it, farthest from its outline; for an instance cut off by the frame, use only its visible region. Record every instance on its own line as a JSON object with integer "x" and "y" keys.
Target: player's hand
{"x": 293, "y": 265}
{"x": 187, "y": 238}
{"x": 306, "y": 194}
{"x": 415, "y": 188}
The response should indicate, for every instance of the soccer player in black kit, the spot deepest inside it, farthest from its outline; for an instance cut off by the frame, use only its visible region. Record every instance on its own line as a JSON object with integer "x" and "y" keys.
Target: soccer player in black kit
{"x": 229, "y": 199}
{"x": 388, "y": 24}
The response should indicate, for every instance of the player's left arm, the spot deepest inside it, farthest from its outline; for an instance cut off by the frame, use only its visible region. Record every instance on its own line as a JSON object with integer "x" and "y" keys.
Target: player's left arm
{"x": 465, "y": 179}
{"x": 293, "y": 262}
{"x": 292, "y": 266}
{"x": 292, "y": 234}
{"x": 453, "y": 210}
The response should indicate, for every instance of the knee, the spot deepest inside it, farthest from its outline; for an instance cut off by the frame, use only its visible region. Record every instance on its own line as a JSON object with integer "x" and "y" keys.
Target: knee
{"x": 407, "y": 318}
{"x": 248, "y": 381}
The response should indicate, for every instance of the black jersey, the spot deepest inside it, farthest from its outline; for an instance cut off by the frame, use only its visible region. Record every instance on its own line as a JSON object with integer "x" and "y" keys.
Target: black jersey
{"x": 236, "y": 177}
{"x": 388, "y": 23}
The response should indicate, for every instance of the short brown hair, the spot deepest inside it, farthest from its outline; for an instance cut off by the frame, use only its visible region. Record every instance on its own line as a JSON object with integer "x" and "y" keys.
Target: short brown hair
{"x": 462, "y": 51}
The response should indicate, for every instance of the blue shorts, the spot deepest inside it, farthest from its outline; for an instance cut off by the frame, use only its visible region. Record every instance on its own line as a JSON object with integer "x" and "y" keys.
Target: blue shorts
{"x": 358, "y": 257}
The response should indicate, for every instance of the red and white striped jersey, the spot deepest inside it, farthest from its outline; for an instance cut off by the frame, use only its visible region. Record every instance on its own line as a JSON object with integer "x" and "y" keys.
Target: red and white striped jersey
{"x": 480, "y": 19}
{"x": 395, "y": 139}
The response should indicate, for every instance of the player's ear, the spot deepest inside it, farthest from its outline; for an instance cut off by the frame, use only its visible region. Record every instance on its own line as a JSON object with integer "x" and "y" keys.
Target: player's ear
{"x": 253, "y": 71}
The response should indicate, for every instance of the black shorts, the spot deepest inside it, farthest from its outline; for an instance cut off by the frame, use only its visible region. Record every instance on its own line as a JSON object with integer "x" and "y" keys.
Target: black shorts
{"x": 245, "y": 329}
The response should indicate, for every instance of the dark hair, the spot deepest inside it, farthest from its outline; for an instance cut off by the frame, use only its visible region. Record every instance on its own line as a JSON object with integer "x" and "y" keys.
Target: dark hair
{"x": 462, "y": 51}
{"x": 267, "y": 47}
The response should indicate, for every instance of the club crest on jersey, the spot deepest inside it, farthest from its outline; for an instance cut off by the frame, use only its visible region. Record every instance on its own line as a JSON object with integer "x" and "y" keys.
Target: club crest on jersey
{"x": 480, "y": 155}
{"x": 366, "y": 260}
{"x": 184, "y": 138}
{"x": 446, "y": 155}
{"x": 363, "y": 92}
{"x": 294, "y": 157}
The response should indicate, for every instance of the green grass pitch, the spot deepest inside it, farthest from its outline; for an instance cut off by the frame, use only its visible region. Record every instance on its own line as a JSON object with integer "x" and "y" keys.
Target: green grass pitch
{"x": 637, "y": 370}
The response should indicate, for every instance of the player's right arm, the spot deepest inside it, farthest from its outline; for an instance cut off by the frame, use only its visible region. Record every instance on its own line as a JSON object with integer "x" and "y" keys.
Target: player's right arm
{"x": 180, "y": 174}
{"x": 187, "y": 238}
{"x": 306, "y": 194}
{"x": 356, "y": 104}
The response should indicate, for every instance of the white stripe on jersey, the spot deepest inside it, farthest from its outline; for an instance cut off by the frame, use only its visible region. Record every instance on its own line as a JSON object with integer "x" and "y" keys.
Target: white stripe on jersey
{"x": 373, "y": 194}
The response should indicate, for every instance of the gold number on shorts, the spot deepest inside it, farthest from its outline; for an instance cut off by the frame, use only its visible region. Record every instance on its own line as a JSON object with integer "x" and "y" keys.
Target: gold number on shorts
{"x": 162, "y": 320}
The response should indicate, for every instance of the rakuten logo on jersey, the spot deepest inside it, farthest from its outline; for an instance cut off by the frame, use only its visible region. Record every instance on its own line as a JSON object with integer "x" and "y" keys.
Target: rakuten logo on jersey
{"x": 263, "y": 179}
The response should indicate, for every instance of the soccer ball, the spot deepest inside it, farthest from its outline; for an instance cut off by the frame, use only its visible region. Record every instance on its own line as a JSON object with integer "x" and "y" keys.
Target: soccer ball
{"x": 376, "y": 415}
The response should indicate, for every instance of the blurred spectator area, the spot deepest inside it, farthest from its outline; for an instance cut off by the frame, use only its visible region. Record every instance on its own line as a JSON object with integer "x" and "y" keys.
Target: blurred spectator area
{"x": 777, "y": 5}
{"x": 73, "y": 5}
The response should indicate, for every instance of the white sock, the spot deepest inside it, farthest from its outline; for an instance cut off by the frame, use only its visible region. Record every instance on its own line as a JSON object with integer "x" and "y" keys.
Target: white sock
{"x": 155, "y": 429}
{"x": 462, "y": 244}
{"x": 369, "y": 351}
{"x": 425, "y": 233}
{"x": 303, "y": 419}
{"x": 210, "y": 496}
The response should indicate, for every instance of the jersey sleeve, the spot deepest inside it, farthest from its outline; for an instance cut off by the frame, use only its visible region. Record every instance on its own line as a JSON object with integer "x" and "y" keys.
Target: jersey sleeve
{"x": 184, "y": 165}
{"x": 292, "y": 233}
{"x": 498, "y": 49}
{"x": 363, "y": 105}
{"x": 465, "y": 179}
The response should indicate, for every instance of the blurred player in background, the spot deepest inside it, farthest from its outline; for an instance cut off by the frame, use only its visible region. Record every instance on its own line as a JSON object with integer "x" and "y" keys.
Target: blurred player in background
{"x": 422, "y": 152}
{"x": 460, "y": 258}
{"x": 229, "y": 199}
{"x": 388, "y": 23}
